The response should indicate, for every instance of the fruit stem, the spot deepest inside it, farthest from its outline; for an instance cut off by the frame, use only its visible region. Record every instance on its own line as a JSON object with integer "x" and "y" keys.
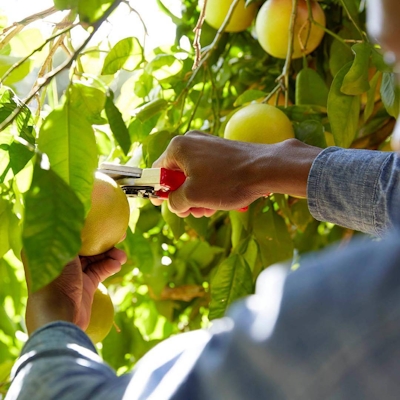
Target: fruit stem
{"x": 209, "y": 49}
{"x": 285, "y": 71}
{"x": 197, "y": 33}
{"x": 329, "y": 32}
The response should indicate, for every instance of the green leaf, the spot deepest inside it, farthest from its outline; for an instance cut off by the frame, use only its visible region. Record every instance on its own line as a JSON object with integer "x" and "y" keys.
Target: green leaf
{"x": 340, "y": 54}
{"x": 300, "y": 214}
{"x": 232, "y": 281}
{"x": 356, "y": 80}
{"x": 249, "y": 250}
{"x": 177, "y": 224}
{"x": 139, "y": 130}
{"x": 68, "y": 140}
{"x": 65, "y": 4}
{"x": 140, "y": 251}
{"x": 305, "y": 112}
{"x": 92, "y": 10}
{"x": 89, "y": 100}
{"x": 4, "y": 218}
{"x": 54, "y": 218}
{"x": 369, "y": 107}
{"x": 311, "y": 88}
{"x": 119, "y": 343}
{"x": 160, "y": 61}
{"x": 144, "y": 85}
{"x": 5, "y": 370}
{"x": 248, "y": 96}
{"x": 200, "y": 225}
{"x": 353, "y": 7}
{"x": 154, "y": 145}
{"x": 126, "y": 54}
{"x": 151, "y": 109}
{"x": 240, "y": 224}
{"x": 343, "y": 111}
{"x": 198, "y": 252}
{"x": 6, "y": 323}
{"x": 311, "y": 132}
{"x": 117, "y": 124}
{"x": 271, "y": 234}
{"x": 14, "y": 233}
{"x": 390, "y": 94}
{"x": 14, "y": 155}
{"x": 6, "y": 62}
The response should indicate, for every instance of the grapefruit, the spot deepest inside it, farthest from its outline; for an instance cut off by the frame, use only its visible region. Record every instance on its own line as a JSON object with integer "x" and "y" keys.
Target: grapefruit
{"x": 259, "y": 123}
{"x": 273, "y": 25}
{"x": 107, "y": 219}
{"x": 242, "y": 17}
{"x": 102, "y": 315}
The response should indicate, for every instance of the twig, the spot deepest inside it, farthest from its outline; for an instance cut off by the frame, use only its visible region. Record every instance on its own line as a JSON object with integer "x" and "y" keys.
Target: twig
{"x": 276, "y": 89}
{"x": 214, "y": 43}
{"x": 20, "y": 62}
{"x": 333, "y": 34}
{"x": 197, "y": 34}
{"x": 47, "y": 78}
{"x": 17, "y": 27}
{"x": 197, "y": 103}
{"x": 146, "y": 32}
{"x": 286, "y": 68}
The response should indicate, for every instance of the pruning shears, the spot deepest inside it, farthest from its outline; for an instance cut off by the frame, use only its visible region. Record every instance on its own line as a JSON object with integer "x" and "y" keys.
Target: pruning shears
{"x": 145, "y": 183}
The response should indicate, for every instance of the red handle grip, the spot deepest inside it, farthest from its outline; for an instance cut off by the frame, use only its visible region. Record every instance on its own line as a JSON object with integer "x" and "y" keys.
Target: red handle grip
{"x": 170, "y": 180}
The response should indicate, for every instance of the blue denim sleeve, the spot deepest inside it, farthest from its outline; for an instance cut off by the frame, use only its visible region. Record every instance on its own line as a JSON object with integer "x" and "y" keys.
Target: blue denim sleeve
{"x": 60, "y": 362}
{"x": 329, "y": 330}
{"x": 357, "y": 189}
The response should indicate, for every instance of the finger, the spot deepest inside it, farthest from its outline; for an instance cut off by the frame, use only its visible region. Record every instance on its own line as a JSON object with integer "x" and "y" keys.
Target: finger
{"x": 157, "y": 202}
{"x": 102, "y": 270}
{"x": 208, "y": 212}
{"x": 117, "y": 254}
{"x": 198, "y": 212}
{"x": 177, "y": 203}
{"x": 114, "y": 253}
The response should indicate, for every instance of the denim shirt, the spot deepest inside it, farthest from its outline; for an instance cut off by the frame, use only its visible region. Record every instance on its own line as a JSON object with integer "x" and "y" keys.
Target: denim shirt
{"x": 330, "y": 330}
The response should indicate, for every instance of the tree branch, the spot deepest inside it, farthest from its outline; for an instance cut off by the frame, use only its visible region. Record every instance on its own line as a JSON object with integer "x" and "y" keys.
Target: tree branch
{"x": 48, "y": 78}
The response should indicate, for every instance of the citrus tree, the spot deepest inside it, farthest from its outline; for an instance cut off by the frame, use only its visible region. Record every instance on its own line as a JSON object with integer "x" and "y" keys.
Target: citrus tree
{"x": 66, "y": 105}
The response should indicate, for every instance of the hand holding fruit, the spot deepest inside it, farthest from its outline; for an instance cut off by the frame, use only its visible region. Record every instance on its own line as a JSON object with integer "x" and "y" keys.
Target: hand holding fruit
{"x": 69, "y": 297}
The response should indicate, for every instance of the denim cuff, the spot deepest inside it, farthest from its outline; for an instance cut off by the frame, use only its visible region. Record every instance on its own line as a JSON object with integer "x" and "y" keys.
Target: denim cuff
{"x": 345, "y": 187}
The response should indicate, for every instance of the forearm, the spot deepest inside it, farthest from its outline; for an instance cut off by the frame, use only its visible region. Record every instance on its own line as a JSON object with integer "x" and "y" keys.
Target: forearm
{"x": 44, "y": 309}
{"x": 284, "y": 167}
{"x": 60, "y": 362}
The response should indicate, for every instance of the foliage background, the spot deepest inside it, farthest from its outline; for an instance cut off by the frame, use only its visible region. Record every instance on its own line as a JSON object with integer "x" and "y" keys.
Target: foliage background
{"x": 65, "y": 107}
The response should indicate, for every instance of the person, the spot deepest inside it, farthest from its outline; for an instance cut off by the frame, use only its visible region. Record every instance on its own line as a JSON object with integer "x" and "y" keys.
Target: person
{"x": 330, "y": 330}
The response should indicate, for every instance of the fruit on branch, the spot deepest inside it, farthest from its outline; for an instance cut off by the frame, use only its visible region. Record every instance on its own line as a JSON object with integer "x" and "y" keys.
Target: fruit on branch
{"x": 273, "y": 27}
{"x": 107, "y": 219}
{"x": 259, "y": 123}
{"x": 102, "y": 315}
{"x": 242, "y": 16}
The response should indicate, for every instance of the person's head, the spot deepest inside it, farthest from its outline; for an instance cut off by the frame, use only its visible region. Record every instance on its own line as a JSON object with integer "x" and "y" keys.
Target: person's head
{"x": 383, "y": 24}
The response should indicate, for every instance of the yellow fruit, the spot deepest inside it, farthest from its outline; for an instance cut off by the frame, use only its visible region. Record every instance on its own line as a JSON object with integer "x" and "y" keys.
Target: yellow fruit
{"x": 102, "y": 316}
{"x": 242, "y": 17}
{"x": 259, "y": 123}
{"x": 108, "y": 217}
{"x": 273, "y": 23}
